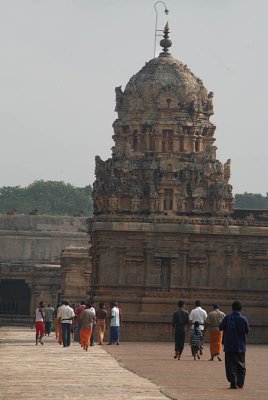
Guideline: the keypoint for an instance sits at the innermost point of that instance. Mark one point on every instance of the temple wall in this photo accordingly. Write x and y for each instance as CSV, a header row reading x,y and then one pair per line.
x,y
30,251
39,238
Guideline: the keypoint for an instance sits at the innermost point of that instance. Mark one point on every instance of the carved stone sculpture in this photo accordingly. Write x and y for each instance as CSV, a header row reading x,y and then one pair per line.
x,y
221,205
210,110
113,203
198,204
135,203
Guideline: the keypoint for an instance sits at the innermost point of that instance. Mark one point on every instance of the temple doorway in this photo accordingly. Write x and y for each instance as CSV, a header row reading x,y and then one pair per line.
x,y
15,297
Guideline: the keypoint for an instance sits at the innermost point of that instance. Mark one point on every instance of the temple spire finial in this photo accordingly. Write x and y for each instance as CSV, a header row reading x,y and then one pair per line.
x,y
166,42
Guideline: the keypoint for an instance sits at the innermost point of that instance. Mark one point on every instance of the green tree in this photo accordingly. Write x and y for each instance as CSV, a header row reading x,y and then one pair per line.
x,y
48,197
251,201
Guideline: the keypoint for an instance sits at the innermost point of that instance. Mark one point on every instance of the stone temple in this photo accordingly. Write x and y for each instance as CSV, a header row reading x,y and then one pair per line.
x,y
164,227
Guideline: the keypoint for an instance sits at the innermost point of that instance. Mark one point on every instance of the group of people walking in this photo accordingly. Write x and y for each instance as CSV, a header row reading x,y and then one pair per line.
x,y
84,322
89,325
231,330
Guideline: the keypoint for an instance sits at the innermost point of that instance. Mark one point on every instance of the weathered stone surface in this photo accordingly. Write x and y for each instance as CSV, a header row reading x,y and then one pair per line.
x,y
53,372
76,271
30,249
187,379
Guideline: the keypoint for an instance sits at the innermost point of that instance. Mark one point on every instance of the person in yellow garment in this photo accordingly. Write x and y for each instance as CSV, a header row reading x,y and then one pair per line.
x,y
101,315
86,319
212,322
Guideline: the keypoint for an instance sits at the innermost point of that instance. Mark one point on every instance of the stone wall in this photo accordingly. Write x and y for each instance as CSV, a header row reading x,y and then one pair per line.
x,y
39,238
30,251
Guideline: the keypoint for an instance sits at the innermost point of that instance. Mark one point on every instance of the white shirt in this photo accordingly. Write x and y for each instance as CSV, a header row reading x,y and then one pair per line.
x,y
38,314
115,321
198,314
92,309
65,313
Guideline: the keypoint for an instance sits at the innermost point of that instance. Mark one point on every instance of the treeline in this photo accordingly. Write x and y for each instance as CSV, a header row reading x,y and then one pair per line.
x,y
46,197
60,198
251,201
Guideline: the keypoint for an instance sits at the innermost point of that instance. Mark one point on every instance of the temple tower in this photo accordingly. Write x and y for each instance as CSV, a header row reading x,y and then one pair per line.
x,y
164,159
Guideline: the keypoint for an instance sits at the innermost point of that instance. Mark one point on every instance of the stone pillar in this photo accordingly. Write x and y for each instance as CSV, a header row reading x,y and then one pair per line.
x,y
228,253
139,142
149,259
199,144
161,201
76,270
182,143
158,144
176,144
193,144
54,296
210,253
184,254
36,293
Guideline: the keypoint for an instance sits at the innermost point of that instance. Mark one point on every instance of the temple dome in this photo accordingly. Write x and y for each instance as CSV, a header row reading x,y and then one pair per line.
x,y
162,73
164,82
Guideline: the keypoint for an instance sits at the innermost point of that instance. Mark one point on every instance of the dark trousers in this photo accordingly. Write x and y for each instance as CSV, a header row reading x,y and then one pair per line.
x,y
235,368
179,339
92,335
66,334
48,326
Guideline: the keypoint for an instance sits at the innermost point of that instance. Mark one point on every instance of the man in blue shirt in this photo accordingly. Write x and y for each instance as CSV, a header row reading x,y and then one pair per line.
x,y
235,328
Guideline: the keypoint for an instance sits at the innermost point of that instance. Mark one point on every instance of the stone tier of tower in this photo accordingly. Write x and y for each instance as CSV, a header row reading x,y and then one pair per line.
x,y
164,159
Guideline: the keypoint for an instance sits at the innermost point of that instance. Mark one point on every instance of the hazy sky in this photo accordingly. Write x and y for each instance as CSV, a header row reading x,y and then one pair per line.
x,y
61,60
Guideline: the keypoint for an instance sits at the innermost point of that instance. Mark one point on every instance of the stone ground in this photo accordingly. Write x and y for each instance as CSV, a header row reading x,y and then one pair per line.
x,y
186,379
52,372
31,372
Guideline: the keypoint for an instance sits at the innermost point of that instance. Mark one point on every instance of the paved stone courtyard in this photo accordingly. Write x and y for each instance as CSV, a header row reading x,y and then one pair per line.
x,y
52,372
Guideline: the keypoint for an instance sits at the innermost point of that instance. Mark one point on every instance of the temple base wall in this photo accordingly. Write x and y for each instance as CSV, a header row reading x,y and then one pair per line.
x,y
147,268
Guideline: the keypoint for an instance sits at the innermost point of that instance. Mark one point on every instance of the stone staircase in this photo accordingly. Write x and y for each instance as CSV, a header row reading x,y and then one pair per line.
x,y
22,320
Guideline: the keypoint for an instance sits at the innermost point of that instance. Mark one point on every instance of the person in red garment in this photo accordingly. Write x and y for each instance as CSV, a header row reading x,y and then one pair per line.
x,y
78,312
39,322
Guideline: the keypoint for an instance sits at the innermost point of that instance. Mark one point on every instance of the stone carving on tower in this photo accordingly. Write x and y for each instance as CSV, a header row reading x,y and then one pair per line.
x,y
164,158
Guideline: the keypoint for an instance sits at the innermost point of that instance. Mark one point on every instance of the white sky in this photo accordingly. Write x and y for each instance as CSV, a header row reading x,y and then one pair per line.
x,y
60,61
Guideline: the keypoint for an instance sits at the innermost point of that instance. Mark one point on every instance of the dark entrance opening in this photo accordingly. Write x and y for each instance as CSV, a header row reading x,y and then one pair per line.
x,y
15,297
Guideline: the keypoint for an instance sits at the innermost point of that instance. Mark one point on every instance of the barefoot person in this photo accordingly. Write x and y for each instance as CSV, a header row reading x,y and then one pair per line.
x,y
49,314
180,321
212,322
78,312
200,315
101,315
66,316
196,340
114,324
86,319
39,322
235,328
